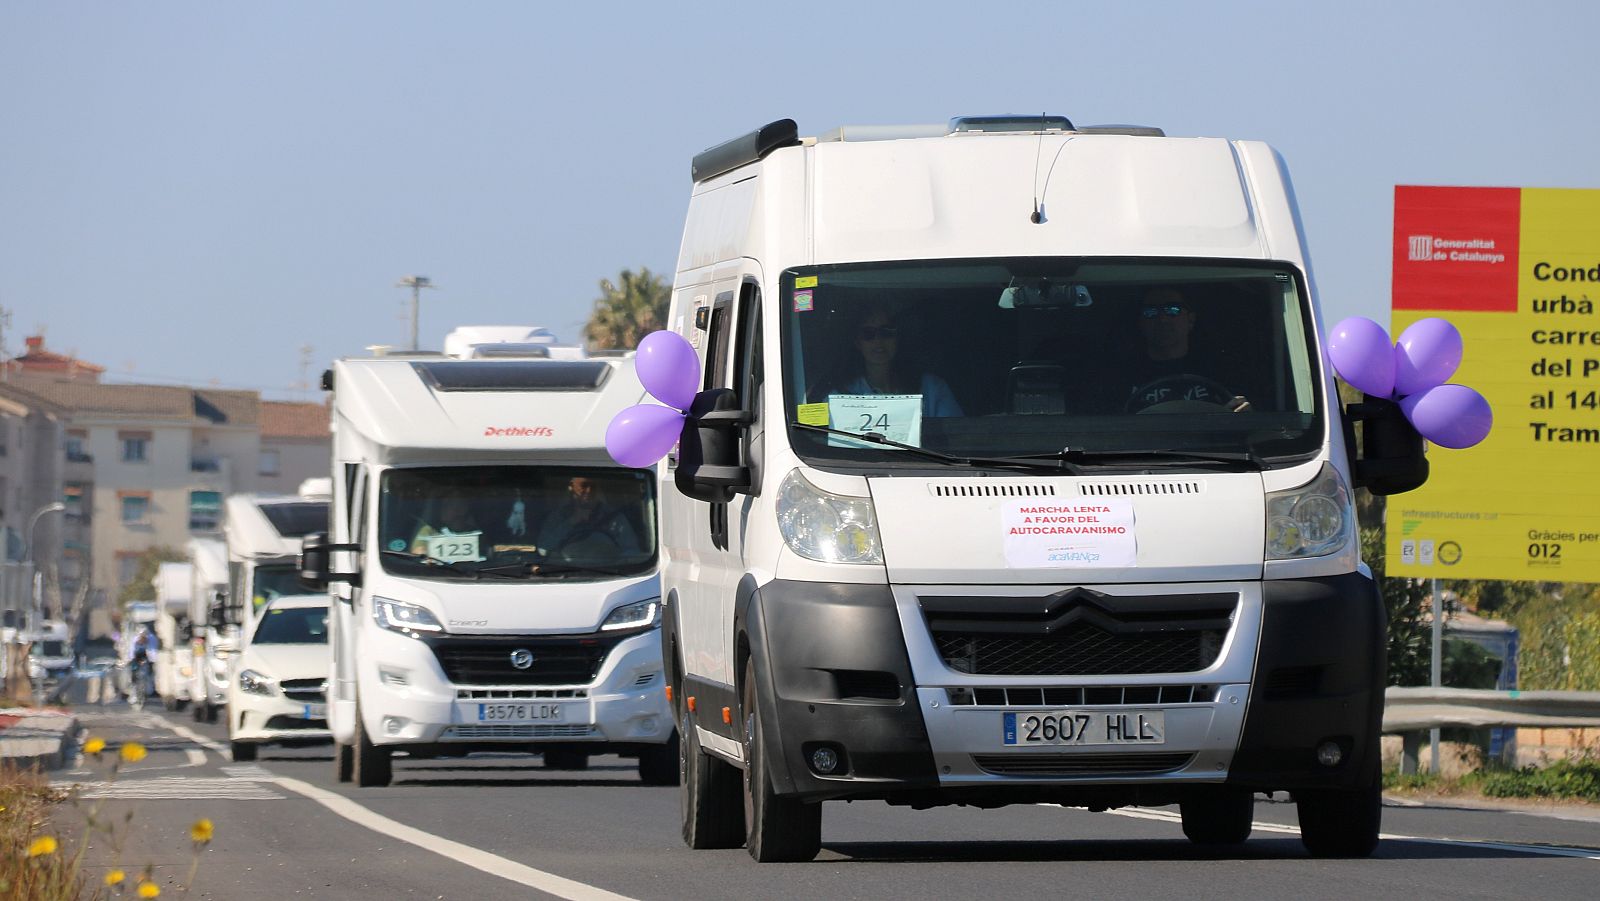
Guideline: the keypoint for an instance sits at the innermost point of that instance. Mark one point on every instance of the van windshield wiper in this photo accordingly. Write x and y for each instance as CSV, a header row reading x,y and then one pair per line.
x,y
454,566
947,459
1152,457
560,569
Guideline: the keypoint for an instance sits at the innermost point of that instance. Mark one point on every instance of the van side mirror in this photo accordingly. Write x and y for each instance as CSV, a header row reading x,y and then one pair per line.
x,y
1392,456
708,450
316,566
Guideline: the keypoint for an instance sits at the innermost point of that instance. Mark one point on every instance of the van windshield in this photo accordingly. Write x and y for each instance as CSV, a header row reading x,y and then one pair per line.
x,y
1101,361
517,522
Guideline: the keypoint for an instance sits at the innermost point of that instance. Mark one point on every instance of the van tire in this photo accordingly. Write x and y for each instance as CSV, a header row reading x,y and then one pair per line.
x,y
242,751
565,759
658,764
200,713
777,829
344,762
371,766
713,811
1218,815
213,713
1341,823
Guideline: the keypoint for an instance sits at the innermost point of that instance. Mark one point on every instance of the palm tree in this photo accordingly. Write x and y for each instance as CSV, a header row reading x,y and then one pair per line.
x,y
627,310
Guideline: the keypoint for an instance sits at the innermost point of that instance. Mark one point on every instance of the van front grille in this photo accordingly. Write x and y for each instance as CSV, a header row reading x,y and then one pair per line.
x,y
574,660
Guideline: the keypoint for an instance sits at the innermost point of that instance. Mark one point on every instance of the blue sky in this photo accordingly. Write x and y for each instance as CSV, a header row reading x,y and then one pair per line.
x,y
193,191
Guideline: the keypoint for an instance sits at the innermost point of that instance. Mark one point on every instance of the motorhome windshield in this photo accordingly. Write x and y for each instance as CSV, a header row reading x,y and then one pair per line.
x,y
293,625
273,581
1099,361
517,522
297,519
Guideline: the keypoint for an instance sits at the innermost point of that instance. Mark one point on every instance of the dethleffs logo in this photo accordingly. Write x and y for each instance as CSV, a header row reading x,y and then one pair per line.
x,y
518,431
1431,248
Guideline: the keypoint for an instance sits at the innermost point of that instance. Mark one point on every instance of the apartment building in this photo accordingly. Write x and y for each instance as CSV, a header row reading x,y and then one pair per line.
x,y
30,481
295,444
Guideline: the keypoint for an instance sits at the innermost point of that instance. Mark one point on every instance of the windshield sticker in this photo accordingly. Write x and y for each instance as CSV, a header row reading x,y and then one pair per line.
x,y
453,548
897,417
806,281
397,544
811,414
1068,534
802,301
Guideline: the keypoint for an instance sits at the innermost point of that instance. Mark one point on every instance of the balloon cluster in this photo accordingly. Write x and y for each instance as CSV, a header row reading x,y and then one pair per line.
x,y
1413,372
669,369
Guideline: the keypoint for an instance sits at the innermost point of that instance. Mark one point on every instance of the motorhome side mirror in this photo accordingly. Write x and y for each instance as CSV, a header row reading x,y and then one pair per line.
x,y
315,566
708,449
1392,458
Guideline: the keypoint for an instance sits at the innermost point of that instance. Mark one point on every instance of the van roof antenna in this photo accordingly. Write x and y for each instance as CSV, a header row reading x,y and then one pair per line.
x,y
1038,214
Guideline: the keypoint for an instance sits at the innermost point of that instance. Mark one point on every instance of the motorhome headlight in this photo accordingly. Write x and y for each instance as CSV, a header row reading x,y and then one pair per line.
x,y
1309,521
254,683
830,528
642,615
407,619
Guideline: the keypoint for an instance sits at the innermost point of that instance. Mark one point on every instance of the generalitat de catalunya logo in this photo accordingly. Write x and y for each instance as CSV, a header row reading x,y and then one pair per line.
x,y
1424,248
518,431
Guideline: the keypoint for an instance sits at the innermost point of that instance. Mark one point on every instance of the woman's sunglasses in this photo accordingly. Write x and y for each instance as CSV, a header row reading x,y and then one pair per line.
x,y
875,332
1171,311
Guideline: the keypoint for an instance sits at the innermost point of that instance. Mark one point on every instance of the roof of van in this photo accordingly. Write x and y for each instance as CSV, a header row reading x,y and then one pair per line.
x,y
271,525
210,560
512,406
172,586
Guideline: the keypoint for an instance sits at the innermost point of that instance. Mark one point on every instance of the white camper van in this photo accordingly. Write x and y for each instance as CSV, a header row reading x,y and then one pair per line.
x,y
175,660
493,571
215,638
276,692
1018,476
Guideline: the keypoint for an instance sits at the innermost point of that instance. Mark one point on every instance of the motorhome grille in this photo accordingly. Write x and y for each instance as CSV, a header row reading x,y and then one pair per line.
x,y
1080,764
1081,696
513,375
305,691
1079,632
519,694
992,490
506,730
1137,489
555,661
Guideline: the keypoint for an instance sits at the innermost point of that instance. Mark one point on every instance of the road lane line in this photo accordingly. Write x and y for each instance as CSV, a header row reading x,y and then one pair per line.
x,y
197,738
1547,850
478,859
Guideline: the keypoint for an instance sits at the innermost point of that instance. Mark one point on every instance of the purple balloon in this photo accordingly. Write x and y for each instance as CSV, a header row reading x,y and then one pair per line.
x,y
1426,355
668,368
642,434
1452,416
1362,355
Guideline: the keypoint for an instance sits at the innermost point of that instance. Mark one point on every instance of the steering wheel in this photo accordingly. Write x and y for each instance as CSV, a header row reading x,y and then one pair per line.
x,y
1181,392
582,536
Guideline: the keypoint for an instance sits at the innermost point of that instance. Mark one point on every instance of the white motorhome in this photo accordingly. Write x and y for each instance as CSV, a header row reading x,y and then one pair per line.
x,y
1019,476
276,696
216,639
494,573
175,659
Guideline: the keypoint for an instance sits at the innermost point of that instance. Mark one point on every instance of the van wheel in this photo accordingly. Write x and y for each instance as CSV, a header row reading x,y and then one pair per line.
x,y
1218,816
565,759
344,761
371,766
713,814
243,751
658,764
777,829
213,712
170,703
199,713
1341,823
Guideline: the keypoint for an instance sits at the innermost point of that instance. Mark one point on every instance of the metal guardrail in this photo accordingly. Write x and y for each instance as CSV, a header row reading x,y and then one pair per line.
x,y
1416,709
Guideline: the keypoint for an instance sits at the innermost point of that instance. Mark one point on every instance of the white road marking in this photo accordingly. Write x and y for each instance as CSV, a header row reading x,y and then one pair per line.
x,y
492,864
1164,816
178,788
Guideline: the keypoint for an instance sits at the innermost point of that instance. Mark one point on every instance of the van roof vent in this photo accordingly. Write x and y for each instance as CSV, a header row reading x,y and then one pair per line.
x,y
1139,131
1040,124
1001,490
1111,489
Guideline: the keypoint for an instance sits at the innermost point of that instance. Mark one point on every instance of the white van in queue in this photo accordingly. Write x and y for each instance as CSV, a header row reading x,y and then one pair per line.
x,y
276,693
215,639
1019,476
175,659
493,571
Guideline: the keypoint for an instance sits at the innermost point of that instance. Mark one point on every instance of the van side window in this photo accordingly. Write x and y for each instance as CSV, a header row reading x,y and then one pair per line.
x,y
747,350
717,342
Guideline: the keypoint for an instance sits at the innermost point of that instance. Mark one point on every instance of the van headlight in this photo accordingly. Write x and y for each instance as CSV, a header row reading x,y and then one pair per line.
x,y
254,683
829,528
641,615
1309,521
407,619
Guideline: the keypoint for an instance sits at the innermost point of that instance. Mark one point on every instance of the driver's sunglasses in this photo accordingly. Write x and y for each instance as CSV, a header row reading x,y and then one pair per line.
x,y
875,332
1171,311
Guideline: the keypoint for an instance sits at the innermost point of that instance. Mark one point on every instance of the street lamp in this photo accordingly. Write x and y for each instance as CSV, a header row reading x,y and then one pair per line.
x,y
416,283
27,556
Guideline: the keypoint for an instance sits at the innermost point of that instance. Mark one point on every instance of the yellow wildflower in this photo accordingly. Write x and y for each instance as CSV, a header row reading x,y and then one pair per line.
x,y
133,752
149,890
44,844
115,877
201,831
94,746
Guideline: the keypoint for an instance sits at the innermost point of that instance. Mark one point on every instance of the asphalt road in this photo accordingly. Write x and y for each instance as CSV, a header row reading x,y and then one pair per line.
x,y
492,827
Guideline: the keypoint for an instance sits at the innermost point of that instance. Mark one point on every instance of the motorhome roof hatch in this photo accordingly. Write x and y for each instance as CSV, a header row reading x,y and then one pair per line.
x,y
1040,124
509,375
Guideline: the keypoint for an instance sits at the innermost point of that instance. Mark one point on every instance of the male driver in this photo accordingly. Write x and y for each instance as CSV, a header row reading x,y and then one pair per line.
x,y
586,520
1167,371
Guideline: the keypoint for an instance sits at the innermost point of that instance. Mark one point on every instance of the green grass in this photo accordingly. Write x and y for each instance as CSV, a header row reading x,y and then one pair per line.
x,y
1566,779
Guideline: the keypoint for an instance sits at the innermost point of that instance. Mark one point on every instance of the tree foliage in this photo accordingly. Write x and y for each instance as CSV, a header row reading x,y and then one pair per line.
x,y
628,309
142,586
1405,600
